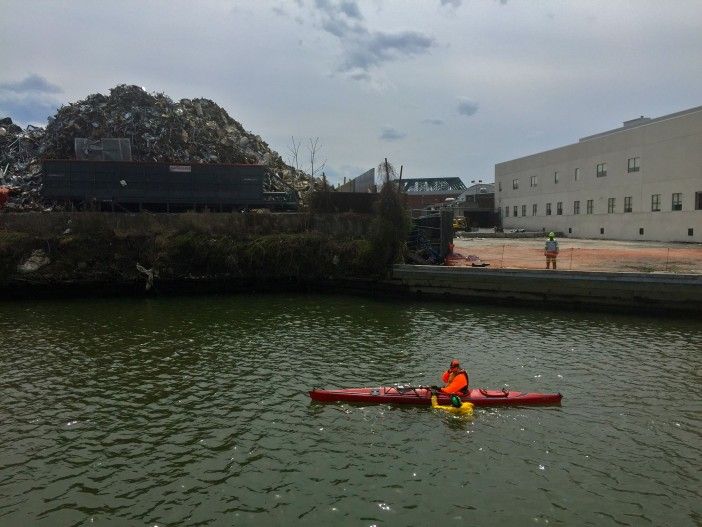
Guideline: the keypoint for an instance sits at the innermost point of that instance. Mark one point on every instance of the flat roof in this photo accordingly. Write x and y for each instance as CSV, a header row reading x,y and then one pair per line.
x,y
641,121
627,125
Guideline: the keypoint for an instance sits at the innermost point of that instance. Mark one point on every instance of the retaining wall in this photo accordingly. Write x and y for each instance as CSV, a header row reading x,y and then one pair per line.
x,y
629,291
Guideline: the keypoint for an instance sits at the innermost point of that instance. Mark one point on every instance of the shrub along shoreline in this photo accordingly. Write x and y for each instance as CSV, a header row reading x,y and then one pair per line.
x,y
84,252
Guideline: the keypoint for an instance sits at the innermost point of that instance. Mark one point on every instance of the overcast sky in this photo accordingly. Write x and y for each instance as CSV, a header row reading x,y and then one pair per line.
x,y
442,87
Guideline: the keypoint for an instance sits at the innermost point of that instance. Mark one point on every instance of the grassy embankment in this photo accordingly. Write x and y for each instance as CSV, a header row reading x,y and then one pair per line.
x,y
96,248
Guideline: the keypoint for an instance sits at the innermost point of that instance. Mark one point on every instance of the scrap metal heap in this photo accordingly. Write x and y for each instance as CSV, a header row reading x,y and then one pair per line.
x,y
159,129
20,166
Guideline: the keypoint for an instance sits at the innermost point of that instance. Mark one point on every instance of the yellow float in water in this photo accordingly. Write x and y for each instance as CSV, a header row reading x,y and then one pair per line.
x,y
462,409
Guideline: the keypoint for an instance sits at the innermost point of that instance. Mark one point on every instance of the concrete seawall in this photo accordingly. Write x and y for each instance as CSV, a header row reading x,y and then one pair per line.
x,y
638,292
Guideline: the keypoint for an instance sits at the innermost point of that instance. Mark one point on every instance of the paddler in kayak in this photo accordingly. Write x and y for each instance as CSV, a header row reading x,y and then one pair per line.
x,y
455,379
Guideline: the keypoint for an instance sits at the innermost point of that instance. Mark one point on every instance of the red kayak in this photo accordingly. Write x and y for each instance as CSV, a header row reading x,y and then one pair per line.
x,y
421,395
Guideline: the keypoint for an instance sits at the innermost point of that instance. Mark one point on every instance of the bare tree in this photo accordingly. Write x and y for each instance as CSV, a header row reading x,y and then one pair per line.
x,y
314,148
294,152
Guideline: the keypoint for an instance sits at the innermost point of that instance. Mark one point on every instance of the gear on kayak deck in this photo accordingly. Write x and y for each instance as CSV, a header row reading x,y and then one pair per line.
x,y
461,409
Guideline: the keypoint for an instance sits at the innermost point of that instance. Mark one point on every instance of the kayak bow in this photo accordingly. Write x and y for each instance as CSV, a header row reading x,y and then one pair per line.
x,y
421,395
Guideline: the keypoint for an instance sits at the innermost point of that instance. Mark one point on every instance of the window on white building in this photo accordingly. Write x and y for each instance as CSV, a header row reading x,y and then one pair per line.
x,y
633,164
576,207
534,208
506,212
610,205
601,169
576,174
559,208
499,186
555,177
655,202
516,211
590,206
533,181
677,201
627,204
698,200
548,209
523,210
515,184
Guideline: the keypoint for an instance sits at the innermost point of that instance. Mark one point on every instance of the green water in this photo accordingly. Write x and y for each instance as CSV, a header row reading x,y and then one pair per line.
x,y
193,411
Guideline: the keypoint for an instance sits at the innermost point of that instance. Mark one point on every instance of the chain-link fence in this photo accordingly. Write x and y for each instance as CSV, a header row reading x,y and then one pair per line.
x,y
605,257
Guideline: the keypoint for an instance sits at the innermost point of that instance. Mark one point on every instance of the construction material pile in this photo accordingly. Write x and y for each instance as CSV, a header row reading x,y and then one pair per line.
x,y
159,129
20,166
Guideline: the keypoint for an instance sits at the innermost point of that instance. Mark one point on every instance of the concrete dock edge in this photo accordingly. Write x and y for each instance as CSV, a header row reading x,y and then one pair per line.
x,y
640,292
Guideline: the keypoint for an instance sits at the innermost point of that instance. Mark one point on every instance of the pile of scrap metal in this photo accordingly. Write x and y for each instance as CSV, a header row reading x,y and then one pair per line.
x,y
421,250
20,168
159,129
430,238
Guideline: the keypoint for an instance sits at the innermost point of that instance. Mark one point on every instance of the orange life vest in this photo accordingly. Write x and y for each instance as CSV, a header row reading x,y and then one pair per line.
x,y
459,384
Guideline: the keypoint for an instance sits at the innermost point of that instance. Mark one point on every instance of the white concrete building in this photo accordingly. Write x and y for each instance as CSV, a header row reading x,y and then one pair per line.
x,y
639,182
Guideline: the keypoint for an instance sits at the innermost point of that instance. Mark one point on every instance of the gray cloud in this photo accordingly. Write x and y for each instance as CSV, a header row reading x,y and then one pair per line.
x,y
31,83
350,9
359,75
363,49
29,101
454,3
371,50
340,17
390,134
437,122
467,107
340,27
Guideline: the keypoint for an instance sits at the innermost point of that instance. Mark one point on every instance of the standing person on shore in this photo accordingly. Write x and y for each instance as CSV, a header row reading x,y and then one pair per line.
x,y
551,250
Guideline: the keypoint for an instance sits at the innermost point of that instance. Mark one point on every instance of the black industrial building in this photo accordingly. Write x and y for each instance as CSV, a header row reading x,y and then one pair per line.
x,y
160,187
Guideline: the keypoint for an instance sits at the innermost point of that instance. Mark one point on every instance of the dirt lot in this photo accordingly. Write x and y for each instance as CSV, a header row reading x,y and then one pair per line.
x,y
585,255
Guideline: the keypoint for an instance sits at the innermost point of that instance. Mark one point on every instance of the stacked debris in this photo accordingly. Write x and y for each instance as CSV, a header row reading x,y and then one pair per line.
x,y
20,168
159,129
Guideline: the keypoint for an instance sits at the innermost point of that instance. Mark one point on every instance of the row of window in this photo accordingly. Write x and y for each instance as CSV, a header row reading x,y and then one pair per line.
x,y
676,204
690,231
633,165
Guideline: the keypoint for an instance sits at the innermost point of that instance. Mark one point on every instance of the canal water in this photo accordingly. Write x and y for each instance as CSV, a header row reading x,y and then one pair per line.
x,y
194,411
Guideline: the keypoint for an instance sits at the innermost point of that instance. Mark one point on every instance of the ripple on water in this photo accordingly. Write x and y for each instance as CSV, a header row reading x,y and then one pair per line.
x,y
194,411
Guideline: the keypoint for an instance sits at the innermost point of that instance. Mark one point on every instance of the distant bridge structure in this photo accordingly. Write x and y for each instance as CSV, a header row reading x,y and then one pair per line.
x,y
439,185
421,192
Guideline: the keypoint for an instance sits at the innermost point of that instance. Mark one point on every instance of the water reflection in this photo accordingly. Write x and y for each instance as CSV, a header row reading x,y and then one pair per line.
x,y
194,410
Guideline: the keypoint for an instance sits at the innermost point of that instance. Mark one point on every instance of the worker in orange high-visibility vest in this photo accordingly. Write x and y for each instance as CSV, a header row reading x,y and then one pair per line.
x,y
551,250
455,379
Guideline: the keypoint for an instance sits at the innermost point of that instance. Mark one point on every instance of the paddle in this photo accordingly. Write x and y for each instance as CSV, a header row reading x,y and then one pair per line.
x,y
433,389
